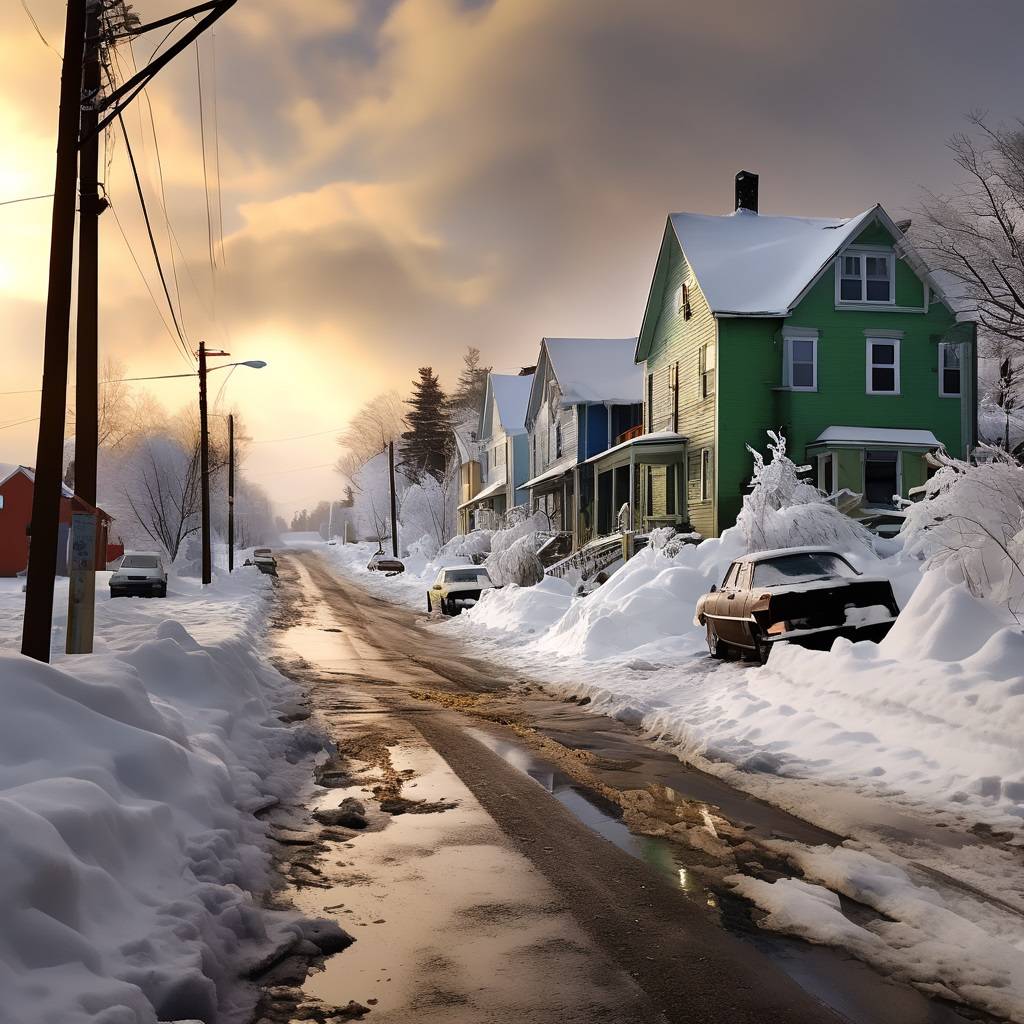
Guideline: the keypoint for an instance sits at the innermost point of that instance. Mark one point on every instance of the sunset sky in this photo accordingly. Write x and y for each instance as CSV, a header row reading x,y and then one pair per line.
x,y
403,179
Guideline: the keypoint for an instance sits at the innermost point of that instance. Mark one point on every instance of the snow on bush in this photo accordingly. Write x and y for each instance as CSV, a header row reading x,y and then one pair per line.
x,y
971,525
513,557
782,510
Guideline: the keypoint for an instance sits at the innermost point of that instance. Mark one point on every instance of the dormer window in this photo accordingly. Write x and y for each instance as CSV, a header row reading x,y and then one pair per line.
x,y
865,275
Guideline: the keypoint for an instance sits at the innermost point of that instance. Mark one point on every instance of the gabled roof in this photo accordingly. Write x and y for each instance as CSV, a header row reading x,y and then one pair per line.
x,y
9,469
751,264
748,264
595,370
588,371
511,393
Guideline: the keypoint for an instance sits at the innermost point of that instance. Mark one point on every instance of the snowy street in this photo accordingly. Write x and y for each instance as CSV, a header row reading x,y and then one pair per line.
x,y
683,843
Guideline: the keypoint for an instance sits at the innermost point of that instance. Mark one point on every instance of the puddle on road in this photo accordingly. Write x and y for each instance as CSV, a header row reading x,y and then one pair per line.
x,y
442,942
846,985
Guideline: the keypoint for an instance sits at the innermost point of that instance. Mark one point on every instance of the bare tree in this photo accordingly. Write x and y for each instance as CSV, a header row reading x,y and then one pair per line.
x,y
379,422
162,491
976,235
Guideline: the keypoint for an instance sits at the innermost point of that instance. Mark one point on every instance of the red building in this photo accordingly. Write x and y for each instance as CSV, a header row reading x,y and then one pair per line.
x,y
16,487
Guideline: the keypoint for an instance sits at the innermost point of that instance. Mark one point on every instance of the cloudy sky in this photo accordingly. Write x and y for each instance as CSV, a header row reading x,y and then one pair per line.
x,y
402,179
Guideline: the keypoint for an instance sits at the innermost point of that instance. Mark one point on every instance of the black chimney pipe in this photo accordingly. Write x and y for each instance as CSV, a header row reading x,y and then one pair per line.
x,y
746,191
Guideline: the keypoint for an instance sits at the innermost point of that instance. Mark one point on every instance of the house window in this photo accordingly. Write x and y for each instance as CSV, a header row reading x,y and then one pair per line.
x,y
949,370
706,471
883,366
865,275
881,477
800,369
827,473
706,363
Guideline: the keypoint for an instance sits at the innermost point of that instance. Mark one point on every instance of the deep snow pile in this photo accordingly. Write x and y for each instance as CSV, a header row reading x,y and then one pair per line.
x,y
128,783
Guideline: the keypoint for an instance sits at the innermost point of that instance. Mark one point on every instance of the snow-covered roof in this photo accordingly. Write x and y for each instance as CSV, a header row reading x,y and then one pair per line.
x,y
553,473
593,370
488,492
512,393
644,440
878,435
8,469
749,264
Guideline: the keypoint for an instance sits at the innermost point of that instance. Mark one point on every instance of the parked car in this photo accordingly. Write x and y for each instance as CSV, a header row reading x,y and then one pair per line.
x,y
807,596
385,563
264,560
458,587
139,574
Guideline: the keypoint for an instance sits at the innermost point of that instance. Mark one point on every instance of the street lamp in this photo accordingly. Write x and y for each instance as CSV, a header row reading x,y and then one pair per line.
x,y
204,448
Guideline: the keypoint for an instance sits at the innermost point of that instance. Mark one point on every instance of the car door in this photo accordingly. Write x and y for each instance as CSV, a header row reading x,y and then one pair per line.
x,y
720,606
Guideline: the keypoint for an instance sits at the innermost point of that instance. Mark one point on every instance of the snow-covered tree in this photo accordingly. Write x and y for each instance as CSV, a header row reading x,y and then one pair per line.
x,y
782,510
471,386
428,443
971,523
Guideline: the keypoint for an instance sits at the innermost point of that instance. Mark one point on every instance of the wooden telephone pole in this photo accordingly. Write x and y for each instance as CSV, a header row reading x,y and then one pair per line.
x,y
46,493
82,117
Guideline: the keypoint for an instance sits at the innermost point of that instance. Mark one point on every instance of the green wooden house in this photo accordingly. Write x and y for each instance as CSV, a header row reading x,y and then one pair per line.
x,y
830,330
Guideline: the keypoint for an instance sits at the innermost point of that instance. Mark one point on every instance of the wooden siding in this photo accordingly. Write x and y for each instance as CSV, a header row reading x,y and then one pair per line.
x,y
677,341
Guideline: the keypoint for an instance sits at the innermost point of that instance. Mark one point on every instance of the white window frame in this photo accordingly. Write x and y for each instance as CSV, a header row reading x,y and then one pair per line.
x,y
787,362
864,251
705,464
870,364
822,460
943,346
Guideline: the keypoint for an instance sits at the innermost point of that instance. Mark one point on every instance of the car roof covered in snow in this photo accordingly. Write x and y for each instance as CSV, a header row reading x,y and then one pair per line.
x,y
763,556
594,370
751,264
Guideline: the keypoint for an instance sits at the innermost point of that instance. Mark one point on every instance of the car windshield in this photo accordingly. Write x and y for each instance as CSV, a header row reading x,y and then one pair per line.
x,y
466,576
800,568
140,562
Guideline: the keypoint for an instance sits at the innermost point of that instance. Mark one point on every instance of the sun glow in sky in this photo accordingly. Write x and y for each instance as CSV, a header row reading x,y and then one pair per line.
x,y
403,178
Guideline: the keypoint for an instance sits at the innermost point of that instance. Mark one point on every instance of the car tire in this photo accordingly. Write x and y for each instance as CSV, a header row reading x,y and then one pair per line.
x,y
716,648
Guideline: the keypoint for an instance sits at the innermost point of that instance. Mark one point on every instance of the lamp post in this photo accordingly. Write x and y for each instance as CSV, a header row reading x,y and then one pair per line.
x,y
204,447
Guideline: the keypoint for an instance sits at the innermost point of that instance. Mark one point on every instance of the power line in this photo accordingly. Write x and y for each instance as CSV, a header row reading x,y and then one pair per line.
x,y
39,31
152,241
26,199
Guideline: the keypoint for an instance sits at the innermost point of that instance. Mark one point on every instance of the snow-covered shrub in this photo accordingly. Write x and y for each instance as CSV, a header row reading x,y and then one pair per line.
x,y
782,510
971,523
513,557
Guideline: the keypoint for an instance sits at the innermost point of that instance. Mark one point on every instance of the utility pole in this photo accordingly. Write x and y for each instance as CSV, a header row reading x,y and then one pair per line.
x,y
394,503
46,493
231,493
82,587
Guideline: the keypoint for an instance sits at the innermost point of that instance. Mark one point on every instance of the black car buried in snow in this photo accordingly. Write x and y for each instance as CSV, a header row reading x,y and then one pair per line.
x,y
807,596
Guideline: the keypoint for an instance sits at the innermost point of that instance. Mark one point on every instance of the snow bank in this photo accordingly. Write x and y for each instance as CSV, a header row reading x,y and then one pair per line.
x,y
949,945
128,784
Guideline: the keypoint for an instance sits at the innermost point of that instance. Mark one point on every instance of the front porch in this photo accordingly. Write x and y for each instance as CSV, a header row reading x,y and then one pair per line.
x,y
638,485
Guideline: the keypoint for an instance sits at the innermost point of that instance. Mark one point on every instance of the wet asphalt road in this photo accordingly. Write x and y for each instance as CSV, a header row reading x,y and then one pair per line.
x,y
669,962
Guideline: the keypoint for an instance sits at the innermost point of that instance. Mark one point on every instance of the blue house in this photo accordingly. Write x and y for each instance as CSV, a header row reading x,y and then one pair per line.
x,y
586,396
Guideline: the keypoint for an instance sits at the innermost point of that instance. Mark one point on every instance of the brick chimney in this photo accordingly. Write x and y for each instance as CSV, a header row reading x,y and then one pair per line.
x,y
746,191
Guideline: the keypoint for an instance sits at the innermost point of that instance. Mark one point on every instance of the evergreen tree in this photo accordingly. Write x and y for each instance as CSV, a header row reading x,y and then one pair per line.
x,y
428,443
471,386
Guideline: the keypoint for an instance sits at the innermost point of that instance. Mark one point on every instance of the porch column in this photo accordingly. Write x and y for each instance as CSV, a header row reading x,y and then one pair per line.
x,y
632,489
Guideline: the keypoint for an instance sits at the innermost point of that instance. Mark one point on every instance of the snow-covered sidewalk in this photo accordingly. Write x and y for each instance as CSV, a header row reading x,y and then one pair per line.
x,y
128,782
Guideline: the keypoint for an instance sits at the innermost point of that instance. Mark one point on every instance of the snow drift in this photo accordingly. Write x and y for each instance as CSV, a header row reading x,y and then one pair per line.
x,y
127,788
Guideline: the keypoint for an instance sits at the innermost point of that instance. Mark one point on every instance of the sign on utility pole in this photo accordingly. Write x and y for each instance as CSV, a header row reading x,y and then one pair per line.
x,y
82,591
